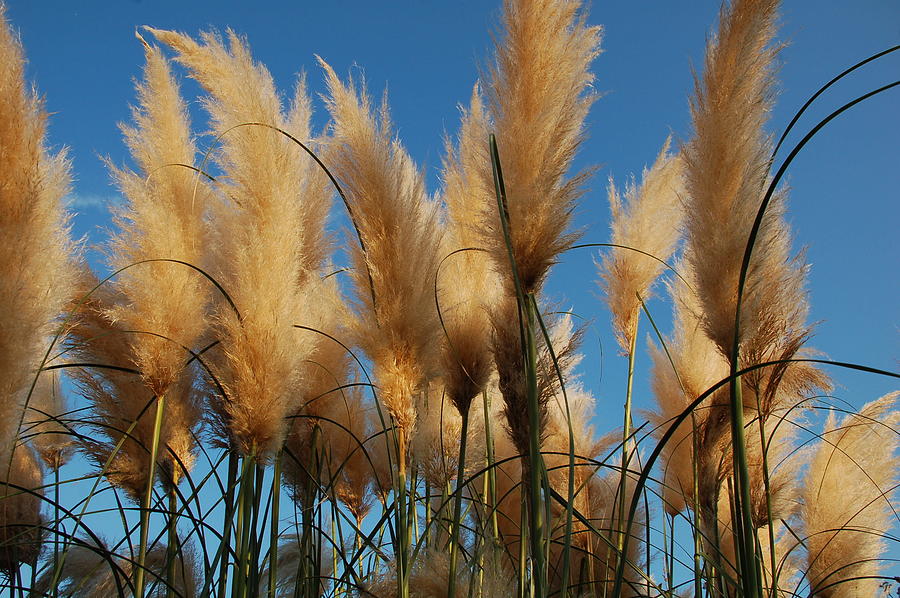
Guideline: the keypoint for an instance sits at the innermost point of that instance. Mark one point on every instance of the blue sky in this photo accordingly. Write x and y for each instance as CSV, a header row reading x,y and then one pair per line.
x,y
83,57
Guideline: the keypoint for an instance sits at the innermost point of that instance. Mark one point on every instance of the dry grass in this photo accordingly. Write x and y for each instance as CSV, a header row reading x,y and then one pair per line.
x,y
263,252
847,500
36,255
357,388
397,257
649,222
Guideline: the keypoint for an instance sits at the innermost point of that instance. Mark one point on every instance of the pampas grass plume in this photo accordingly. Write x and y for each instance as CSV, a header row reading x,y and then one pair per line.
x,y
163,303
726,178
648,220
727,172
261,232
537,99
36,254
468,285
847,500
395,265
20,511
163,218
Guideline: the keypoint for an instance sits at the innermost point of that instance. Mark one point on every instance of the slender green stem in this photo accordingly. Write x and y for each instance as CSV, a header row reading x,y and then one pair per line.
x,y
414,528
245,526
337,534
491,478
698,548
273,532
669,555
411,516
172,544
302,585
523,550
483,540
738,525
764,450
457,505
535,462
139,576
402,522
359,543
56,464
239,535
743,508
626,443
256,538
223,552
490,538
318,587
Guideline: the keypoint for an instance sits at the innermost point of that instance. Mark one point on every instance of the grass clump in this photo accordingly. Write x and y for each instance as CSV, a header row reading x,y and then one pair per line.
x,y
261,421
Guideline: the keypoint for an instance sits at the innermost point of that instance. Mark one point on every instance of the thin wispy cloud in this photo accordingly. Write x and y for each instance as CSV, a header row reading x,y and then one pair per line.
x,y
91,201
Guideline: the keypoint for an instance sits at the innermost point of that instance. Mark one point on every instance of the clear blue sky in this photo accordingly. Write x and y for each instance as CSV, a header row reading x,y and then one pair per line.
x,y
844,200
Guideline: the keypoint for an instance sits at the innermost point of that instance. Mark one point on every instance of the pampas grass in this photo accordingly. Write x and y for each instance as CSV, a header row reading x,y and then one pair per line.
x,y
36,255
396,316
37,277
756,312
162,304
855,467
537,95
398,411
645,229
21,536
467,285
261,257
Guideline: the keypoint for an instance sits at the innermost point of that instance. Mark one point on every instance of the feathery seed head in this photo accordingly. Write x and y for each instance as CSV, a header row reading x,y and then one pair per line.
x,y
649,220
51,438
269,229
855,461
726,170
467,284
159,313
20,510
397,257
36,255
537,100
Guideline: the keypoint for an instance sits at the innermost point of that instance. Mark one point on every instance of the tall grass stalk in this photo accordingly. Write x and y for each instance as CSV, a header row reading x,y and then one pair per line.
x,y
457,504
491,481
748,555
533,462
274,531
627,444
172,544
140,571
223,554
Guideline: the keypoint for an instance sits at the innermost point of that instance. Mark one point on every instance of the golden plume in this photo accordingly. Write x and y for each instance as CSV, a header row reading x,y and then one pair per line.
x,y
268,230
